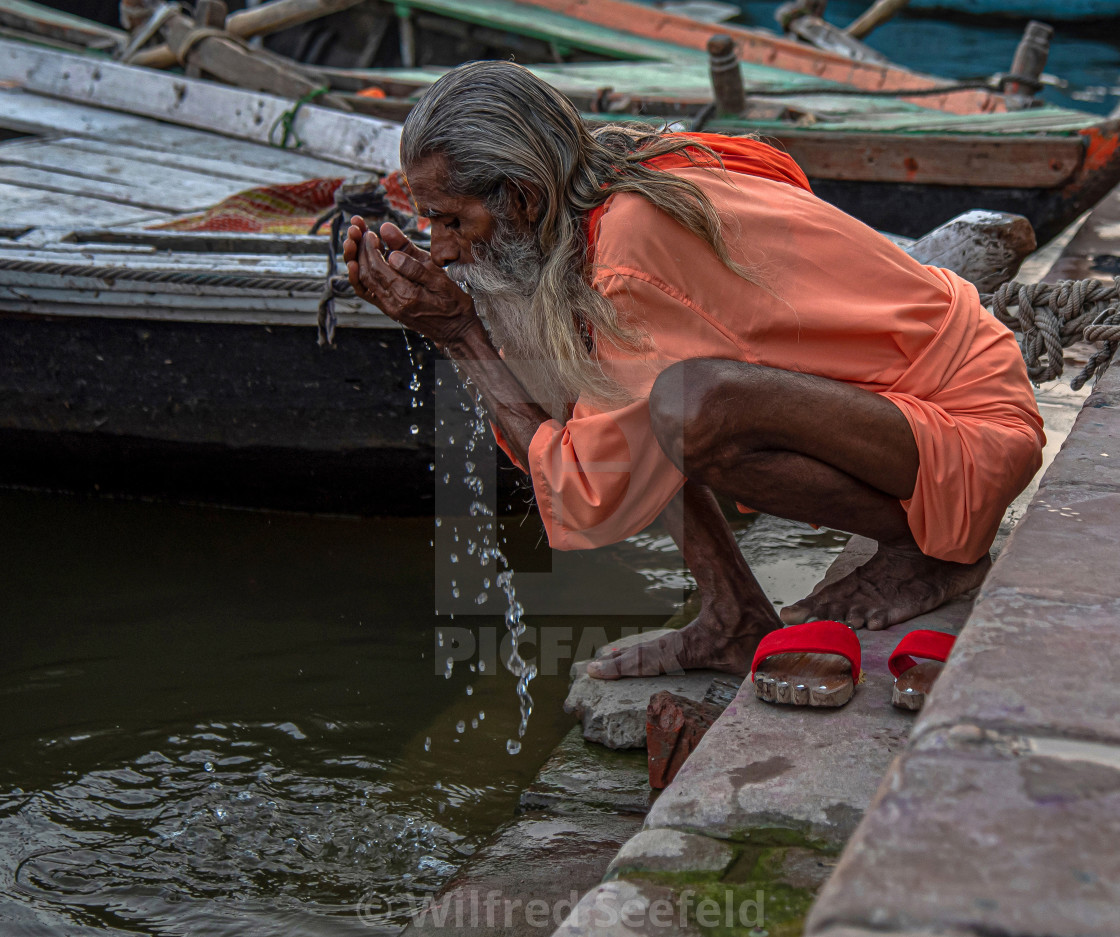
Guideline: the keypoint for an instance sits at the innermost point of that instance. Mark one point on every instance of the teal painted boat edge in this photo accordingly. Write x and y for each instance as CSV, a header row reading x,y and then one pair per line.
x,y
1060,10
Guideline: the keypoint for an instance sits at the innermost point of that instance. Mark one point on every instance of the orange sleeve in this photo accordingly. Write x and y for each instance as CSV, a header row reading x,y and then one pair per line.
x,y
503,444
601,477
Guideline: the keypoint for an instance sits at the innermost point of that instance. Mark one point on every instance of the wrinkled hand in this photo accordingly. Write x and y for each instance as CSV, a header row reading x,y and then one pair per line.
x,y
405,284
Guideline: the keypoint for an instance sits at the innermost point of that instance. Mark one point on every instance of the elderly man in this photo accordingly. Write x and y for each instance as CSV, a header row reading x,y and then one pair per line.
x,y
668,316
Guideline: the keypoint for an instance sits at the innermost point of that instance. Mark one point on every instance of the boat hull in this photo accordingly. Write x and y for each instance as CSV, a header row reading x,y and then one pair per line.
x,y
247,415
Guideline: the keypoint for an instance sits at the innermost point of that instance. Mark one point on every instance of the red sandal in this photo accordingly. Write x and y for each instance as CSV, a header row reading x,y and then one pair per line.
x,y
815,664
913,680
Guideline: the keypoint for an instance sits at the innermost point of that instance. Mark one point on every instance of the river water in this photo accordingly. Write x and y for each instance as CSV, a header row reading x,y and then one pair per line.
x,y
215,720
1085,56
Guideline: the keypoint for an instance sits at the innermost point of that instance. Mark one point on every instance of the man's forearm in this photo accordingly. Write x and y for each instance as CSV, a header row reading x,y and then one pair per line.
x,y
502,394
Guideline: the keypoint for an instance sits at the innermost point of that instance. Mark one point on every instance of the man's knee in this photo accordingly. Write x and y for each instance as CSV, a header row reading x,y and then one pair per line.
x,y
683,408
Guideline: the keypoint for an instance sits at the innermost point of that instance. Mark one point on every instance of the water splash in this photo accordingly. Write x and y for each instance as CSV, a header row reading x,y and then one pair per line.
x,y
482,543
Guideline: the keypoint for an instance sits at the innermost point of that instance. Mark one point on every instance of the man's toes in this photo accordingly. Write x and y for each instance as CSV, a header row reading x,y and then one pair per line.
x,y
878,620
796,614
605,668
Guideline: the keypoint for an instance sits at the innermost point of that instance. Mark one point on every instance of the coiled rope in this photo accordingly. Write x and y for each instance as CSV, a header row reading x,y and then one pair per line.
x,y
1052,316
368,200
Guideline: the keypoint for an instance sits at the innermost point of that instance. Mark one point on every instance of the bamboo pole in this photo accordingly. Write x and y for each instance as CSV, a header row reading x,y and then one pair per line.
x,y
874,16
258,21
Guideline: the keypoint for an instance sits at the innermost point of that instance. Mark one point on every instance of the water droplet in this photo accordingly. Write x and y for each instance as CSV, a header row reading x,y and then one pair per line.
x,y
455,593
414,384
481,715
481,598
454,557
428,744
439,521
470,690
460,727
513,746
208,766
474,723
481,666
414,429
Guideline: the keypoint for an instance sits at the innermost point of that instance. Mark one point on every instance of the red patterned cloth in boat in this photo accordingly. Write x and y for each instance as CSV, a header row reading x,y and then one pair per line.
x,y
285,209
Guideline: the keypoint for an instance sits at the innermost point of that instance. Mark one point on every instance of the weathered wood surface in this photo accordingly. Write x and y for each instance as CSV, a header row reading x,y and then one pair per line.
x,y
238,66
757,46
257,21
113,176
824,35
37,207
44,21
1020,162
359,141
873,17
218,242
984,247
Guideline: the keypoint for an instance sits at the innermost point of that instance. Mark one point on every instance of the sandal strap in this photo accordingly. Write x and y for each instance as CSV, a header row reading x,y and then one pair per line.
x,y
814,637
920,645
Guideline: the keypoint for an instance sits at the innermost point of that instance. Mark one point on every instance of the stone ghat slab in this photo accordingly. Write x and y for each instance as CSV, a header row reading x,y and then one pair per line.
x,y
982,833
579,774
613,712
528,878
1003,814
767,770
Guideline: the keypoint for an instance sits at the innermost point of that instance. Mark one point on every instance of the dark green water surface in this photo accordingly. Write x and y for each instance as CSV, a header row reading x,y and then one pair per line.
x,y
222,722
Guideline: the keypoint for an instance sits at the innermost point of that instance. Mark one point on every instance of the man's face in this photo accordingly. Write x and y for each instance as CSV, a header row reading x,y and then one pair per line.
x,y
488,252
458,222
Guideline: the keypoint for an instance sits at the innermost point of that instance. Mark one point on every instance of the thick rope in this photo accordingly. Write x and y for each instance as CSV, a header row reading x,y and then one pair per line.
x,y
1052,316
241,281
370,202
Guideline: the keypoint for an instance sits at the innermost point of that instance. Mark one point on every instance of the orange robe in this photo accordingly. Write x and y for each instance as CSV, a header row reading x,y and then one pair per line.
x,y
846,304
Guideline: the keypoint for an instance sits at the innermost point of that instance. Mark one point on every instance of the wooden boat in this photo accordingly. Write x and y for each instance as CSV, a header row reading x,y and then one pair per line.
x,y
901,162
1049,10
159,363
208,385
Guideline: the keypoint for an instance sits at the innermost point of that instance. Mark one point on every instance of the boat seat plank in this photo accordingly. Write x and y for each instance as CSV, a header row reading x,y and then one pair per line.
x,y
143,193
548,26
58,167
34,206
264,265
38,114
124,151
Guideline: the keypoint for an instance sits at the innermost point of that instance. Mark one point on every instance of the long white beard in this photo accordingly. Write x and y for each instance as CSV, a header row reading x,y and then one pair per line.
x,y
502,281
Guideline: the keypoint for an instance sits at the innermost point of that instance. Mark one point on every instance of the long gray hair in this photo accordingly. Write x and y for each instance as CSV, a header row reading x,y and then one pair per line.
x,y
502,130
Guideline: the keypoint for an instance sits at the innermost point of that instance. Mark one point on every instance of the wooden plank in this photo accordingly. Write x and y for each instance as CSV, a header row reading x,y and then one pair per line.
x,y
350,139
243,68
758,46
152,197
245,176
60,168
34,113
554,26
1026,162
256,21
55,24
37,207
162,307
302,266
203,241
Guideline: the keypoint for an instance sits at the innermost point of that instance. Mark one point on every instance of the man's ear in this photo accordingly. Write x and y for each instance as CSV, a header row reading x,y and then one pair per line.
x,y
528,201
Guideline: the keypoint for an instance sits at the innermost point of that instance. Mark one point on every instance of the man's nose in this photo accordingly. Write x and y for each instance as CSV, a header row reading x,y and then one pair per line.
x,y
445,249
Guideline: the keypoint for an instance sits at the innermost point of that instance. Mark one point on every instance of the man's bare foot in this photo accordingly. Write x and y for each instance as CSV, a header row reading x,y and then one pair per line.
x,y
892,586
696,646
